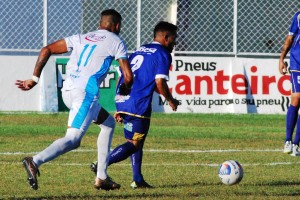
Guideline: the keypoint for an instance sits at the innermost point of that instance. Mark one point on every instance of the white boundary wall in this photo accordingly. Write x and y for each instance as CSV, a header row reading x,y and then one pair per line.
x,y
43,97
229,85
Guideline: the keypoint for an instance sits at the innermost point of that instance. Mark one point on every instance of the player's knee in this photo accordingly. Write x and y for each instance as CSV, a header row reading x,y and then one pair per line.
x,y
73,137
137,144
109,122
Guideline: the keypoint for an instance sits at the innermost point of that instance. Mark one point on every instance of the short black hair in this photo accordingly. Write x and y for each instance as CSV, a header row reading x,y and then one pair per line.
x,y
116,17
163,26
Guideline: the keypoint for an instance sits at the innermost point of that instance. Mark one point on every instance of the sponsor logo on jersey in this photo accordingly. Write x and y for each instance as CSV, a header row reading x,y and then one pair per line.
x,y
120,98
94,37
147,50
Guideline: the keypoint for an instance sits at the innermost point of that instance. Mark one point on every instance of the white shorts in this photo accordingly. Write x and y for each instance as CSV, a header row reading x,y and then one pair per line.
x,y
84,108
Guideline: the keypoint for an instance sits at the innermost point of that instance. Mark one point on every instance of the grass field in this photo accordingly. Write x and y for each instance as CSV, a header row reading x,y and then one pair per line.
x,y
181,158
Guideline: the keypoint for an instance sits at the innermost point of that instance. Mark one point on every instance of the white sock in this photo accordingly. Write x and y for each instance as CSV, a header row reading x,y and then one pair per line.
x,y
103,144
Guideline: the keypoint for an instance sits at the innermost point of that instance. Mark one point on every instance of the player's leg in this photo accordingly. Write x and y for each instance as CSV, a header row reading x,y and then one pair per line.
x,y
78,123
136,163
107,124
135,131
126,149
137,160
292,117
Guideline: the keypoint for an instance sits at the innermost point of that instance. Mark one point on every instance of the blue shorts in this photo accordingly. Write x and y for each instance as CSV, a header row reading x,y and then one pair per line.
x,y
135,128
295,80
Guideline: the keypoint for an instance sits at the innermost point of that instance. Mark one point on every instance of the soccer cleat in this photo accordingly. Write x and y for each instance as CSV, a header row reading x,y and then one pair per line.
x,y
94,166
287,147
295,151
107,184
32,170
142,184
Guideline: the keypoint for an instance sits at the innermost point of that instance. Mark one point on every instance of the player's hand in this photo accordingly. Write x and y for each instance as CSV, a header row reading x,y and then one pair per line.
x,y
283,67
25,85
123,90
174,104
118,118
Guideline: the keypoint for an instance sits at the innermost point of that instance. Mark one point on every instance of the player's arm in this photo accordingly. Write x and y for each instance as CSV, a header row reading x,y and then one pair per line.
x,y
128,76
57,47
285,49
163,89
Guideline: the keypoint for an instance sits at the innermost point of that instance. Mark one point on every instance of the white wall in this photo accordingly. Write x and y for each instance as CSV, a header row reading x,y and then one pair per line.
x,y
12,98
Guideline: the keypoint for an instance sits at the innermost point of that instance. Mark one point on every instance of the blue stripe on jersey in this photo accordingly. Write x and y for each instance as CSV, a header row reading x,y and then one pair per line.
x,y
92,84
83,111
105,66
91,90
90,53
81,55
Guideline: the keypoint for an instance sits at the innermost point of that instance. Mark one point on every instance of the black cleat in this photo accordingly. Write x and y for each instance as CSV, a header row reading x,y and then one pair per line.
x,y
94,166
142,184
32,170
106,184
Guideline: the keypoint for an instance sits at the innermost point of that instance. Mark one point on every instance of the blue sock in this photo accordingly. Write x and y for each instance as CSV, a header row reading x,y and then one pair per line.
x,y
136,163
291,120
297,136
121,152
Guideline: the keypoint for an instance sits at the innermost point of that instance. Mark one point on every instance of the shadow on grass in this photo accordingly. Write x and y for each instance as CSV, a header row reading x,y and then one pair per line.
x,y
105,196
189,184
278,183
140,194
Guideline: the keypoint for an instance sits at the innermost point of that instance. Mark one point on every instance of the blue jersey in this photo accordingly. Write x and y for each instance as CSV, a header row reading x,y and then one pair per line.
x,y
295,49
149,62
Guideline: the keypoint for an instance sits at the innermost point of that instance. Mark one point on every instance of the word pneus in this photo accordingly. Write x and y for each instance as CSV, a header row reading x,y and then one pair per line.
x,y
195,66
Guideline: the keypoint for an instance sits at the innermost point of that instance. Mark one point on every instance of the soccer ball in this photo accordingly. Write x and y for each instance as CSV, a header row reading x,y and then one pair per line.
x,y
230,172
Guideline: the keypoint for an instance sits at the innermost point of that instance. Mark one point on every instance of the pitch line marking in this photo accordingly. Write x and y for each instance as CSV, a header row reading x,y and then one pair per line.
x,y
164,151
162,164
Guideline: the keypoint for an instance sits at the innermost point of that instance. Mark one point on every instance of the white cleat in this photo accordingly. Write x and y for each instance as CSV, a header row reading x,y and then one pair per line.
x,y
287,147
295,150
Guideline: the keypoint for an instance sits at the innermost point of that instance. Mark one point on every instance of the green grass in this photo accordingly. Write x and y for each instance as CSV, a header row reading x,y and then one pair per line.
x,y
180,174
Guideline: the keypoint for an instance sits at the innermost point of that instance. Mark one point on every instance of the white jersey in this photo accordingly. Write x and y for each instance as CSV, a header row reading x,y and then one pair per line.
x,y
91,57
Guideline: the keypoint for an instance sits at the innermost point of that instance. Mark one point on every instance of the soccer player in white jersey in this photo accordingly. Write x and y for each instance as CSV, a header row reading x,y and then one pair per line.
x,y
150,65
292,44
89,63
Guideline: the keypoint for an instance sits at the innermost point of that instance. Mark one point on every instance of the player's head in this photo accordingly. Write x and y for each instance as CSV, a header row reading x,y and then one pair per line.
x,y
111,21
166,33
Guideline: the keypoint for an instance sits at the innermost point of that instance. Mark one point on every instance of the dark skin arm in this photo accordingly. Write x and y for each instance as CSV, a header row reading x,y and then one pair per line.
x,y
163,89
128,80
57,47
285,49
127,73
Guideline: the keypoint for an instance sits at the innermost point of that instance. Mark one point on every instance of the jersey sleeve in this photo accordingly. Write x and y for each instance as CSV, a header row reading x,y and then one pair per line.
x,y
295,24
164,63
121,50
70,41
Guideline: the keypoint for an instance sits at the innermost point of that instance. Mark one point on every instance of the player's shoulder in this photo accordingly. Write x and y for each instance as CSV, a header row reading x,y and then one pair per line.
x,y
101,35
297,15
155,48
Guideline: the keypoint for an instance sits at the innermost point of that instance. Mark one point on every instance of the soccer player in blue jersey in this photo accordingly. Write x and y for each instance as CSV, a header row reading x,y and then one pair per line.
x,y
92,54
292,44
150,65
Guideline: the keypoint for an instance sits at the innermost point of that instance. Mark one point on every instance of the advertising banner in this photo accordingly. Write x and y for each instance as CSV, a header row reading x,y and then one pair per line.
x,y
107,88
226,85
